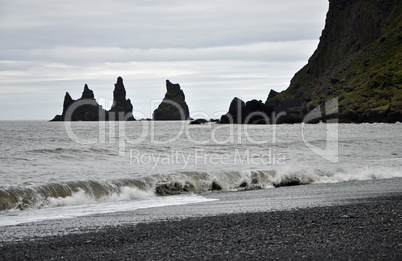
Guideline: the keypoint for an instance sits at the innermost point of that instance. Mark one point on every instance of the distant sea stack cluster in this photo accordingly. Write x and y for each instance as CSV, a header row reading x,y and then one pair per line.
x,y
87,109
358,61
173,106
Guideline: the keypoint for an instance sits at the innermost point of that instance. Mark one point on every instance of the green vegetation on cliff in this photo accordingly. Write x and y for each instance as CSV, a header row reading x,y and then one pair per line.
x,y
358,60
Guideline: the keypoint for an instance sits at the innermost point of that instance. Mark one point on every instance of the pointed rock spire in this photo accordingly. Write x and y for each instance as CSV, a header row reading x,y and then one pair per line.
x,y
87,93
120,104
67,102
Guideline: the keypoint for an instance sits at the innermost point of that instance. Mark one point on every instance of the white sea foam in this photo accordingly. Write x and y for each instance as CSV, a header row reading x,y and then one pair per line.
x,y
76,193
125,198
81,205
82,198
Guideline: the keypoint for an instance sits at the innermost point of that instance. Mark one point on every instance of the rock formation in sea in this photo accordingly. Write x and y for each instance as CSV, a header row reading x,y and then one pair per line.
x,y
87,109
355,73
198,121
84,109
236,113
251,112
121,105
173,106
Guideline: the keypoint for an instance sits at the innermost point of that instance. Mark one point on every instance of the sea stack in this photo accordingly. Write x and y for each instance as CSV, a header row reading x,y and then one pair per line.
x,y
173,106
87,109
251,112
236,113
84,109
122,107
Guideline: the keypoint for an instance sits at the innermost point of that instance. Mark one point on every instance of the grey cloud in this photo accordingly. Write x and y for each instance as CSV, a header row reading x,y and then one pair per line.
x,y
263,51
209,85
157,24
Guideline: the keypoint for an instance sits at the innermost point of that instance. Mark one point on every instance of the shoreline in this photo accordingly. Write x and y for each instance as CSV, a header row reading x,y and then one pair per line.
x,y
365,229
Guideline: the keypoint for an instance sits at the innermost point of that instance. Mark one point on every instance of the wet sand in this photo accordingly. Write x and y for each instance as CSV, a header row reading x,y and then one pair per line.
x,y
366,229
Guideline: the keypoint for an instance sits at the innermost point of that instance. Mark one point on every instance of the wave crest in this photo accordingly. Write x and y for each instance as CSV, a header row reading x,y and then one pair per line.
x,y
57,194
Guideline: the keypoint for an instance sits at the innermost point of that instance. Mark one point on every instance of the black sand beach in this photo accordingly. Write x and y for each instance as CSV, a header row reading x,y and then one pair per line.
x,y
368,229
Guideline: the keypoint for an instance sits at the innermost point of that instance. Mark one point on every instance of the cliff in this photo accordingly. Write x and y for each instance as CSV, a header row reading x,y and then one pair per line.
x,y
87,109
173,106
358,62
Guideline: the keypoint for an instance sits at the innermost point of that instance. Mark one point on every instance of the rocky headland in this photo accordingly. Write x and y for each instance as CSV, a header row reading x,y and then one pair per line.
x,y
173,106
355,74
87,109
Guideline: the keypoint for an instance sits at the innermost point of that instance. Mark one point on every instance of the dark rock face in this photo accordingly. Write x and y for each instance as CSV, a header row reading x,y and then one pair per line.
x,y
349,116
87,93
198,121
257,112
119,93
251,112
272,94
237,112
173,106
87,109
84,109
357,61
393,117
120,103
67,102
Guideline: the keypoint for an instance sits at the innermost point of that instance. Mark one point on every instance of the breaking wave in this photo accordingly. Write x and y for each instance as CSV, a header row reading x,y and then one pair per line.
x,y
73,193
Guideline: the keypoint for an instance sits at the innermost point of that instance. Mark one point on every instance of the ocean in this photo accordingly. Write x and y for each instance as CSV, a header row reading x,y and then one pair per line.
x,y
52,171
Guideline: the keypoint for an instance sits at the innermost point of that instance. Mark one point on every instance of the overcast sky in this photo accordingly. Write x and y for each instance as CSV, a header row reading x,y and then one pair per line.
x,y
215,50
